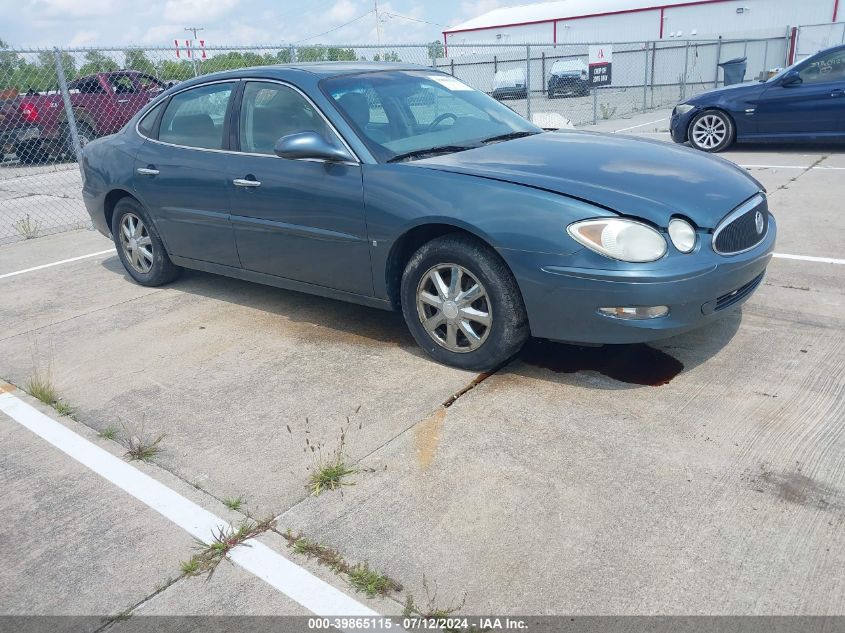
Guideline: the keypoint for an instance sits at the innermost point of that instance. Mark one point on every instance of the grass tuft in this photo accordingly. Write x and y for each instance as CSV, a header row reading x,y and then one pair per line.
x,y
330,473
63,408
360,576
27,227
234,503
222,542
108,433
431,610
41,387
139,445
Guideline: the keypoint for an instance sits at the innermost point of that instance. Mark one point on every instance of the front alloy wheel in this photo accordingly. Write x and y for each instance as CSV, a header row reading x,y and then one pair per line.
x,y
462,303
711,131
453,308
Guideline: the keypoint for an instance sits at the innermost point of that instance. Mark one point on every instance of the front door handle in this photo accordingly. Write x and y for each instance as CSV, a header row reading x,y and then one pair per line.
x,y
123,100
837,93
243,182
146,171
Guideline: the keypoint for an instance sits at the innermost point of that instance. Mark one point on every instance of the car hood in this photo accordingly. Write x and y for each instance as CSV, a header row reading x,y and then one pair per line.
x,y
735,90
649,179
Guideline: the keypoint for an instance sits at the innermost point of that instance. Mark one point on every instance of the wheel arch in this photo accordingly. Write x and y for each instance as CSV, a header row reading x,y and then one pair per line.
x,y
714,108
411,240
110,202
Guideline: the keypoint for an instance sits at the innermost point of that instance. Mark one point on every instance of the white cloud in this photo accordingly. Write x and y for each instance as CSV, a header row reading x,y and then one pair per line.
x,y
74,8
192,10
474,8
84,38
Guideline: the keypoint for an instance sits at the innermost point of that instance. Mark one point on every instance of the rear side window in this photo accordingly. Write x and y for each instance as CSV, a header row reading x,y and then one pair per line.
x,y
146,126
196,117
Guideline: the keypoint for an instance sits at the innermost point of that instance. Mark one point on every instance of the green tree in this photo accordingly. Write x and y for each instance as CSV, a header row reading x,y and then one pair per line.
x,y
136,59
436,50
97,62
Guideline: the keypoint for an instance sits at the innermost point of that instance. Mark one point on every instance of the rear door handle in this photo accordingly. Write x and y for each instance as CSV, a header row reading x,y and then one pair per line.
x,y
243,182
837,93
146,171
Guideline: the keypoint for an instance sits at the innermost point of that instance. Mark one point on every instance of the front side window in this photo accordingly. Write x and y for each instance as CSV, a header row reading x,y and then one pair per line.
x,y
400,112
830,67
270,111
196,117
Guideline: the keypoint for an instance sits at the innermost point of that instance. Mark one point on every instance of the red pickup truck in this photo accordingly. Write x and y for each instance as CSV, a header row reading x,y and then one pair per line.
x,y
34,126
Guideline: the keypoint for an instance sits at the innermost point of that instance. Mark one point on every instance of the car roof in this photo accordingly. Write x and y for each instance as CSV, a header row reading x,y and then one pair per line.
x,y
327,69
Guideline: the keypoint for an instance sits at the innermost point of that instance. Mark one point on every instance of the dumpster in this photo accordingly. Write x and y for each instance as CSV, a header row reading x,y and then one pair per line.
x,y
734,70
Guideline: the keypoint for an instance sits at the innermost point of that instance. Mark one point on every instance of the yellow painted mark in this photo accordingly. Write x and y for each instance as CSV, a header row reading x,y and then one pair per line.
x,y
5,388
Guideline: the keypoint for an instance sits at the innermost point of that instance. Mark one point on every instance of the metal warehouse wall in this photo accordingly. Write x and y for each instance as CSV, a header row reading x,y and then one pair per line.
x,y
759,18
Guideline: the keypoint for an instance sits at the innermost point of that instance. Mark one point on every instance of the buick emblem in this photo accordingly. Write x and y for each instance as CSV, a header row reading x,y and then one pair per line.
x,y
758,222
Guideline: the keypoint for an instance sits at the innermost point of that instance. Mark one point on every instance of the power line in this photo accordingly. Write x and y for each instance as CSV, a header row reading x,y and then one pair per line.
x,y
406,17
311,37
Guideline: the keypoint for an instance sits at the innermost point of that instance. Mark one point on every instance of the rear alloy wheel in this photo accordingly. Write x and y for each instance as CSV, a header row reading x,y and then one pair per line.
x,y
711,131
462,304
139,246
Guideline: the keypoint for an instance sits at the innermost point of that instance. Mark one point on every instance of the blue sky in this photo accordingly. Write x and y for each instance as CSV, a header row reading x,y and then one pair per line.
x,y
158,22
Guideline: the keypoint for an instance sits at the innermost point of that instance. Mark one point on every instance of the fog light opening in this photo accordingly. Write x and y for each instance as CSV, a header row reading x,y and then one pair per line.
x,y
635,313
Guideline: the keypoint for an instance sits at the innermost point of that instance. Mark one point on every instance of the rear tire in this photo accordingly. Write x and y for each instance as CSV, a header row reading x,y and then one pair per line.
x,y
139,245
469,301
31,153
711,131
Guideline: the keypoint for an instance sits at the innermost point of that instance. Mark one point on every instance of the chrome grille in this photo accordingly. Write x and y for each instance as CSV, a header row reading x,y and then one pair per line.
x,y
743,228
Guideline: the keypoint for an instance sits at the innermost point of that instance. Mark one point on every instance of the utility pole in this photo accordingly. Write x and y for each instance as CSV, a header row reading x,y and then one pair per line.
x,y
194,30
378,29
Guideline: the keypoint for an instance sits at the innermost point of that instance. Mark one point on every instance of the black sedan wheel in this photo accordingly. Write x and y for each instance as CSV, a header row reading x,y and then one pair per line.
x,y
711,131
139,246
462,304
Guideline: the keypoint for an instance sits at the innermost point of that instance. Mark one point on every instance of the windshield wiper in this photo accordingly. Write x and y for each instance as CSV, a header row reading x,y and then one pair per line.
x,y
429,151
507,137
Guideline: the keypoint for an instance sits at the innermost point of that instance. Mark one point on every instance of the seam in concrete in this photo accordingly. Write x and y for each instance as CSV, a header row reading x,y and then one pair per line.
x,y
804,171
110,621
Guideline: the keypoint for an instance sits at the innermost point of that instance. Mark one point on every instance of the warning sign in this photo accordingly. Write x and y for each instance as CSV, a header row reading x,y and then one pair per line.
x,y
601,58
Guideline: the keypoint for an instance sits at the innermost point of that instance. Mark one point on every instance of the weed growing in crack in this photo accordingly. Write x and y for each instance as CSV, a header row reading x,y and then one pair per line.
x,y
63,408
431,610
329,472
139,445
234,503
108,433
223,541
27,227
361,576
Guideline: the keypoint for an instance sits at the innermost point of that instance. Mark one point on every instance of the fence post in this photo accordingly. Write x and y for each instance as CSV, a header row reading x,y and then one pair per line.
x,y
595,92
686,69
71,118
495,65
452,64
645,75
653,60
528,81
542,69
718,59
292,54
766,58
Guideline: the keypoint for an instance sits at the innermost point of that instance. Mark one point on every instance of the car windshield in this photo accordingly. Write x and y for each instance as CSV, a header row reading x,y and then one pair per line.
x,y
408,113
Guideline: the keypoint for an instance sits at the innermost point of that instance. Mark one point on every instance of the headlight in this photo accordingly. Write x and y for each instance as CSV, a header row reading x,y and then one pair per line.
x,y
682,234
618,238
682,108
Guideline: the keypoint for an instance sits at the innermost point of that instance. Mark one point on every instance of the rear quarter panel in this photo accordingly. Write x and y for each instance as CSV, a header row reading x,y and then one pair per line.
x,y
107,164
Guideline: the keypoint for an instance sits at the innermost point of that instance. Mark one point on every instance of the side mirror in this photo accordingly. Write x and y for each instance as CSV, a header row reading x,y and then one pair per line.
x,y
309,145
792,78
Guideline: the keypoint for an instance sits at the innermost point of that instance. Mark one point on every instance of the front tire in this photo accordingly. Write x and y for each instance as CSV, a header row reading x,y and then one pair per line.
x,y
711,131
462,304
139,246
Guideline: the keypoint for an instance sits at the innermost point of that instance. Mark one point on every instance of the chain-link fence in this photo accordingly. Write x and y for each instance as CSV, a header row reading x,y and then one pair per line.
x,y
54,101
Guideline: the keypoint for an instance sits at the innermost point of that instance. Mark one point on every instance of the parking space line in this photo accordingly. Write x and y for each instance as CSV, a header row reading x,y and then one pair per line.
x,y
51,264
809,258
295,582
634,127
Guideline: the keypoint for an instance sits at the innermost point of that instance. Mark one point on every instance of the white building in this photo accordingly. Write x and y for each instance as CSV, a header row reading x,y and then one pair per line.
x,y
579,21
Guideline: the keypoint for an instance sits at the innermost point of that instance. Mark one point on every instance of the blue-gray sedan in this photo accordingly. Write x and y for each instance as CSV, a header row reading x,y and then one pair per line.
x,y
402,188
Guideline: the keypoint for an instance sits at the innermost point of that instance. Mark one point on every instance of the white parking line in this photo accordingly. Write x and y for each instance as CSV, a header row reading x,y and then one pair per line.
x,y
634,127
51,264
808,258
282,574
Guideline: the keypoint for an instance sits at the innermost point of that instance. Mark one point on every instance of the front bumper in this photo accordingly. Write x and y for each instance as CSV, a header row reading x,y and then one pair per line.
x,y
568,85
562,298
679,125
